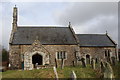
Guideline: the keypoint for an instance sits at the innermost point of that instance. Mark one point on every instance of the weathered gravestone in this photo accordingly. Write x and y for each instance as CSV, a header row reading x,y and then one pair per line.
x,y
73,76
56,74
108,71
56,65
113,61
102,66
96,60
62,63
93,63
83,62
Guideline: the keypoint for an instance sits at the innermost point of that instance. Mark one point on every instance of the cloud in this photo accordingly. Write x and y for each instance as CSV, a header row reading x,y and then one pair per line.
x,y
1,24
88,17
82,12
29,13
91,17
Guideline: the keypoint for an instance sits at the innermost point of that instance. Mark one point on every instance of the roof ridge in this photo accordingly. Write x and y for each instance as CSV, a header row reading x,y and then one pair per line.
x,y
90,34
41,27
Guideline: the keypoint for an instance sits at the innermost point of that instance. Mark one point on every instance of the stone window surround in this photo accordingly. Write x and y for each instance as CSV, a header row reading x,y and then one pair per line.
x,y
108,53
65,55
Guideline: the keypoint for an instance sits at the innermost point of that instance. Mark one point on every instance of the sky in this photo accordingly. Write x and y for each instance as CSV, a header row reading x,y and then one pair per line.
x,y
85,17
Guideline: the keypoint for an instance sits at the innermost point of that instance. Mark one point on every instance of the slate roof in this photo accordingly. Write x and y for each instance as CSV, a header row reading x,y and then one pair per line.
x,y
46,35
95,40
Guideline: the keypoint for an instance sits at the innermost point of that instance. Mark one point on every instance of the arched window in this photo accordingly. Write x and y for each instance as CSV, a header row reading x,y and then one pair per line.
x,y
109,53
88,59
105,53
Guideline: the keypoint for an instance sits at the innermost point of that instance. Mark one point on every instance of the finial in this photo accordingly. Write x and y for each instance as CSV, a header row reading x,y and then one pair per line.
x,y
69,24
106,32
15,5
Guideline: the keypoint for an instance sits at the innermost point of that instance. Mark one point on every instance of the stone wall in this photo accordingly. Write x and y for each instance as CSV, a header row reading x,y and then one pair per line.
x,y
15,56
70,50
97,52
17,50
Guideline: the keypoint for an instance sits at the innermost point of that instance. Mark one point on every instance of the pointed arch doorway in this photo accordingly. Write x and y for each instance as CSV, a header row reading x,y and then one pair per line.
x,y
37,59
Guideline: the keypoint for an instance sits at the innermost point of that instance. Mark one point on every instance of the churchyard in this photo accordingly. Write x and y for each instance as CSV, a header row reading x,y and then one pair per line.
x,y
99,70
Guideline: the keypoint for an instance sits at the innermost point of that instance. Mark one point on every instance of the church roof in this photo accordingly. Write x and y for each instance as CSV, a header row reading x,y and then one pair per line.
x,y
95,40
59,36
46,35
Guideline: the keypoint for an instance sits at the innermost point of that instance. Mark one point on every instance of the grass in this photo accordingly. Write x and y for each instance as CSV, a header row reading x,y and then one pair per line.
x,y
116,70
87,72
41,73
49,73
80,72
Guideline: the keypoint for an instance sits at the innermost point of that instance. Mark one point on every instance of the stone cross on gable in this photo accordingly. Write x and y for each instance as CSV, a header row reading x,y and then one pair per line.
x,y
36,42
36,37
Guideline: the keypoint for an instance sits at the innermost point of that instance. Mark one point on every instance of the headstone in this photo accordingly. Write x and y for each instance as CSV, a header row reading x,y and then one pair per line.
x,y
113,61
56,65
96,60
108,72
56,74
9,66
73,76
83,62
62,63
102,66
109,59
93,63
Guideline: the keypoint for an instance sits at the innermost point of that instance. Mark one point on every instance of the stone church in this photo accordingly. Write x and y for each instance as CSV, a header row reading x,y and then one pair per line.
x,y
48,45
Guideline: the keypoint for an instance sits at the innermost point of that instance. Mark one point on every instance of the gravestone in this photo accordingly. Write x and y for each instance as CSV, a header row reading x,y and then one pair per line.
x,y
83,62
113,61
93,63
56,74
9,66
62,63
102,67
73,76
108,71
56,65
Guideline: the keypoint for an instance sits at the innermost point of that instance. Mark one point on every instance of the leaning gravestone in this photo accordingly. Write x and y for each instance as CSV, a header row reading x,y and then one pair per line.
x,y
108,72
83,62
73,76
102,66
56,74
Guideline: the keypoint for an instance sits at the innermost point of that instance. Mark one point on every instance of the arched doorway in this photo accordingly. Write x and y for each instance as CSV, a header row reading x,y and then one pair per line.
x,y
37,59
88,59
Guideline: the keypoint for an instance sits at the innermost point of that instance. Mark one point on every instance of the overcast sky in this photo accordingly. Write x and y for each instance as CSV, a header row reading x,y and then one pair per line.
x,y
85,17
